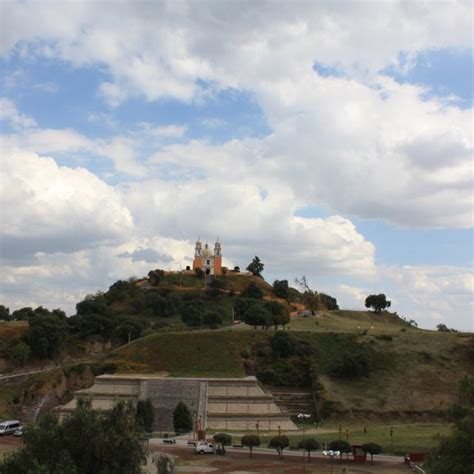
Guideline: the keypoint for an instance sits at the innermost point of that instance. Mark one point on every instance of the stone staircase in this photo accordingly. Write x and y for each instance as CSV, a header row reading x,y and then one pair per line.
x,y
106,392
220,404
241,404
166,393
293,400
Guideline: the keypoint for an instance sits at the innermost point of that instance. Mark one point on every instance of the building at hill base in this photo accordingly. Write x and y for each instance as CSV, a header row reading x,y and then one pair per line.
x,y
216,403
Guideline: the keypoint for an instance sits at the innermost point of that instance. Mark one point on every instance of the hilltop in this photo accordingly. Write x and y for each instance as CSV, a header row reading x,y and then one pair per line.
x,y
356,363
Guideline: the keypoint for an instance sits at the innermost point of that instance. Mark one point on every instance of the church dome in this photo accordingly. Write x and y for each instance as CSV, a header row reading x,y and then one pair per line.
x,y
207,251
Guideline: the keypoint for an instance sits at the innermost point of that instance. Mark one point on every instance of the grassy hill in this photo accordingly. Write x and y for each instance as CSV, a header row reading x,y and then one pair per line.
x,y
361,363
353,321
411,373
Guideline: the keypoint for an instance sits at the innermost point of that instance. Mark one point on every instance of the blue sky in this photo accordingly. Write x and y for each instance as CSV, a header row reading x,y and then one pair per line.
x,y
345,158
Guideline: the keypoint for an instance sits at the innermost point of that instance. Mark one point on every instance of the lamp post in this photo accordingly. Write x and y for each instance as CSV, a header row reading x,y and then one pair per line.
x,y
331,454
303,417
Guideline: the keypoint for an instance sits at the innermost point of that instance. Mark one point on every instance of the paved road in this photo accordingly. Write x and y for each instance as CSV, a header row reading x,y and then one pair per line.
x,y
183,444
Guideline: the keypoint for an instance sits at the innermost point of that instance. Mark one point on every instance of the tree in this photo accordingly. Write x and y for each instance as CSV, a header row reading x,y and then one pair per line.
x,y
129,329
23,314
341,446
250,441
4,313
377,302
280,288
455,453
279,443
119,291
252,291
93,324
309,444
371,448
192,313
46,335
328,301
213,319
20,353
283,344
182,418
86,442
255,267
279,313
96,304
145,415
155,276
311,297
258,316
242,305
223,439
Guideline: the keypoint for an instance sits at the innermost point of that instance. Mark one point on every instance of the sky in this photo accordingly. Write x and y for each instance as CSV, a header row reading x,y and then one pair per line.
x,y
332,139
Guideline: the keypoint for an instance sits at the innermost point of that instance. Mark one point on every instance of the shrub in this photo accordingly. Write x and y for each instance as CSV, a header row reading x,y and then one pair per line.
x,y
279,443
213,319
86,442
193,313
252,291
279,313
309,444
145,415
340,445
351,364
20,353
223,439
46,336
4,313
283,344
182,418
280,288
328,301
250,441
287,373
371,448
258,316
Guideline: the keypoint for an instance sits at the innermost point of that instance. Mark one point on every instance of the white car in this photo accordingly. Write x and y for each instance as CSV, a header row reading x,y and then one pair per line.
x,y
205,448
9,427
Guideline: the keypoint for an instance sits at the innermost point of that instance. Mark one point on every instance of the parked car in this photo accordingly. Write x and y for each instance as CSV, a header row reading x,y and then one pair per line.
x,y
169,441
205,448
9,427
18,432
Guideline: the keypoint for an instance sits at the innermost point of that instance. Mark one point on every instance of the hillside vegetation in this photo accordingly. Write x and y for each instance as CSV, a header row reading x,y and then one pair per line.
x,y
182,323
404,374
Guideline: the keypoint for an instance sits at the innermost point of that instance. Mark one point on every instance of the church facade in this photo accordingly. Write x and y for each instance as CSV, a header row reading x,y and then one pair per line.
x,y
207,260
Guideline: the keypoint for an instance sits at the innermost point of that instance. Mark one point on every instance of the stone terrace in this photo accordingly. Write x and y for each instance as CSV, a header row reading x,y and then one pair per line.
x,y
220,404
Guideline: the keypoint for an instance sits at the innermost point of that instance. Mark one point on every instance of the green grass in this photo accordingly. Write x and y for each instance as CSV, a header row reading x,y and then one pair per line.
x,y
352,321
416,372
412,437
190,354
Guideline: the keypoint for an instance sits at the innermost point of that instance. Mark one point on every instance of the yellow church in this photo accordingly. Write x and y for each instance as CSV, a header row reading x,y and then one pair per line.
x,y
207,260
